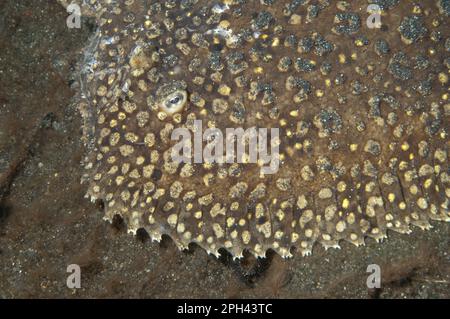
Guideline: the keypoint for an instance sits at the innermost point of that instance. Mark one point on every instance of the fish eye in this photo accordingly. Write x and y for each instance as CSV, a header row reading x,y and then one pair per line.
x,y
174,102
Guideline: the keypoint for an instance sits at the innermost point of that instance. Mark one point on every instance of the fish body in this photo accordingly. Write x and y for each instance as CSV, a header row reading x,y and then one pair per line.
x,y
362,113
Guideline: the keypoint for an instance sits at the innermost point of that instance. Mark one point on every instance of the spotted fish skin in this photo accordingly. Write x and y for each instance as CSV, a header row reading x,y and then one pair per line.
x,y
363,116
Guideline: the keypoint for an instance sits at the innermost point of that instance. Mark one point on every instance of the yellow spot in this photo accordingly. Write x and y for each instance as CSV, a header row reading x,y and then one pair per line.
x,y
308,233
405,146
340,226
246,236
294,113
443,78
224,90
403,165
224,24
162,116
258,70
218,230
342,58
113,123
126,150
172,220
422,203
391,197
341,186
275,42
345,203
359,42
230,221
278,234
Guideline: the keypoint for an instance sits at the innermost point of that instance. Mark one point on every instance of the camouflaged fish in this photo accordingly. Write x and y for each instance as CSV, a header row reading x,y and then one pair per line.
x,y
363,114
